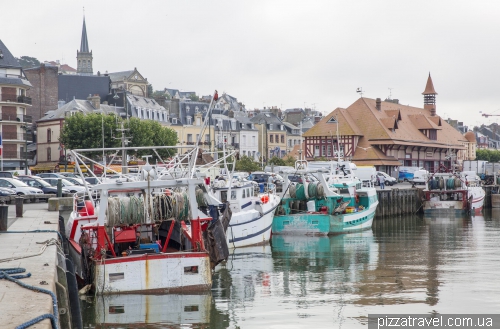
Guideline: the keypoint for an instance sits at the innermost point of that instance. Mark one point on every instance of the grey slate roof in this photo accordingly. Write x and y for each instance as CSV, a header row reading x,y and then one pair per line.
x,y
15,81
84,45
8,59
81,86
79,105
269,118
143,103
190,109
118,76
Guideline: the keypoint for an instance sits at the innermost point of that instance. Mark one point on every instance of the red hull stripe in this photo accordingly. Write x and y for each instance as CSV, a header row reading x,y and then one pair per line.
x,y
75,224
75,246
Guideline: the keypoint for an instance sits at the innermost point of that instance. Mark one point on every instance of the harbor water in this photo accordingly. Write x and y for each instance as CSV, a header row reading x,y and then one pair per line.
x,y
405,265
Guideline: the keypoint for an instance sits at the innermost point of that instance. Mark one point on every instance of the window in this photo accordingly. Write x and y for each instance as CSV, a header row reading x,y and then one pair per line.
x,y
244,141
282,139
277,138
49,155
253,141
233,195
271,138
270,126
188,120
190,138
174,121
49,135
198,121
233,125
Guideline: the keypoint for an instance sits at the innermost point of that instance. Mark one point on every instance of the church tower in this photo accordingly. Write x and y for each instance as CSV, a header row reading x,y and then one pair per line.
x,y
430,96
84,56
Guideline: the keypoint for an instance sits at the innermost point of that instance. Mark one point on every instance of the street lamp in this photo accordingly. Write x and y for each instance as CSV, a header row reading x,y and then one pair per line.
x,y
61,147
25,127
261,121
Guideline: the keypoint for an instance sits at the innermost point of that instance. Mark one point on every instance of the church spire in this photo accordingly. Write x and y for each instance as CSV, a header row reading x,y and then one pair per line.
x,y
430,96
84,45
84,56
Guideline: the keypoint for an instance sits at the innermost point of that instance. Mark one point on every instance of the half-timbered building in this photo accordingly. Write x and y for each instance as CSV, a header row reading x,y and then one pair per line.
x,y
386,134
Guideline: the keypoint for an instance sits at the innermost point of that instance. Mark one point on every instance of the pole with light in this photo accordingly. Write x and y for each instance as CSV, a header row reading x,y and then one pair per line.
x,y
25,127
262,122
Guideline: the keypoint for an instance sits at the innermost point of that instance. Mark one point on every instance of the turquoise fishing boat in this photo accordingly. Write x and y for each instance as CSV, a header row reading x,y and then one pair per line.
x,y
325,202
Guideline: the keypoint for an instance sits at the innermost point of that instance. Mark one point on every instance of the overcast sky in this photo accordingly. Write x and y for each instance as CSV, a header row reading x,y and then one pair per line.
x,y
281,53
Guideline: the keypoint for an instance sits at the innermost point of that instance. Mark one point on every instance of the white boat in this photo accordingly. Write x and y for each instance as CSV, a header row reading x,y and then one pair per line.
x,y
147,234
252,211
459,192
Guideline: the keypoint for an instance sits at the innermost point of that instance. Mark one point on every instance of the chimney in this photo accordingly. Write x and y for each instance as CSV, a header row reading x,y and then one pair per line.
x,y
95,101
231,114
378,104
433,112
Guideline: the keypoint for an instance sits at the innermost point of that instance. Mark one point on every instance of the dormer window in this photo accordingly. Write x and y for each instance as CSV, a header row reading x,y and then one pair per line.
x,y
174,121
282,127
270,126
189,120
233,125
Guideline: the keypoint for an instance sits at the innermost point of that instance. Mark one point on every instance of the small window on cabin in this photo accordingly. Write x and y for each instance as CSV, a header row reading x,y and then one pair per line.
x,y
223,196
244,193
233,195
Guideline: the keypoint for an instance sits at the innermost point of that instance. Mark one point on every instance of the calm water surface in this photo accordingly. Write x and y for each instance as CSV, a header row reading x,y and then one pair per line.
x,y
409,265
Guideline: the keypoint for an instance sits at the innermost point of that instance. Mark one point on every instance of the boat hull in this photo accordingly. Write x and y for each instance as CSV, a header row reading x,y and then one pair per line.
x,y
456,207
324,224
253,227
154,273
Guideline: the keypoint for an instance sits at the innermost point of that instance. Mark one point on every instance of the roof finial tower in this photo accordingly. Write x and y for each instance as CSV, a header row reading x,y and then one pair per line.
x,y
430,96
84,56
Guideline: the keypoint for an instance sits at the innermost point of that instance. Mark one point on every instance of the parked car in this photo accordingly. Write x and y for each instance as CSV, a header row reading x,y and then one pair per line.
x,y
73,176
4,191
21,188
50,175
92,180
389,180
66,184
75,181
37,182
6,174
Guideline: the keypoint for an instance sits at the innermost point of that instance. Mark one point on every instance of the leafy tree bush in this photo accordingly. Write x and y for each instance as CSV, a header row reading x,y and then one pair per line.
x,y
277,161
246,163
86,131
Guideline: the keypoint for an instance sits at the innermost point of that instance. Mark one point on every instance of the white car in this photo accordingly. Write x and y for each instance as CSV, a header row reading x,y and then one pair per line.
x,y
20,187
389,180
66,184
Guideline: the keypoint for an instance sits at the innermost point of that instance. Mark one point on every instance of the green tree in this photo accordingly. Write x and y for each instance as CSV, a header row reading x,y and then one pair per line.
x,y
86,131
150,133
246,163
289,160
26,62
277,161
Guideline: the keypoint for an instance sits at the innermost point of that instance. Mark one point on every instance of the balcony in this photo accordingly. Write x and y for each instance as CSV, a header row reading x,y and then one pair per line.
x,y
24,99
16,99
17,137
18,118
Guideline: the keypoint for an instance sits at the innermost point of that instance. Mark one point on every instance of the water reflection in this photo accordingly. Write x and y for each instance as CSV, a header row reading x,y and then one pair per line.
x,y
149,311
410,264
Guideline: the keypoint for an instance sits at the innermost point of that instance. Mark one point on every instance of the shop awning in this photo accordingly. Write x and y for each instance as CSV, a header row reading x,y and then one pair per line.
x,y
45,166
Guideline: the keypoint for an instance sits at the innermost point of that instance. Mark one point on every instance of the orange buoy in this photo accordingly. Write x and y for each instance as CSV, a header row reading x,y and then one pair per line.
x,y
264,198
87,209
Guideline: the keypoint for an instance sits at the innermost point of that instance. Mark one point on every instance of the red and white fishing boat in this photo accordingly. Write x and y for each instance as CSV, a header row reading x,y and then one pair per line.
x,y
146,234
458,192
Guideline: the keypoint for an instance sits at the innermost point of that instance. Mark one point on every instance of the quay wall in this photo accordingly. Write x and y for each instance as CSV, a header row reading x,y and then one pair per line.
x,y
30,243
